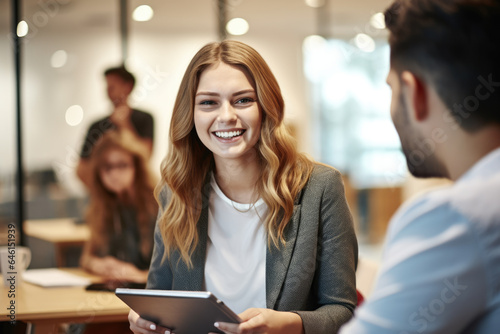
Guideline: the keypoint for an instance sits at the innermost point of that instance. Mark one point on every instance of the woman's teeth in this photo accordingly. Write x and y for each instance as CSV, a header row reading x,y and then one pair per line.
x,y
229,134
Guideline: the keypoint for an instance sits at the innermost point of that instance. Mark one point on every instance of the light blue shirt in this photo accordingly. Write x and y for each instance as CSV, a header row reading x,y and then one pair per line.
x,y
440,270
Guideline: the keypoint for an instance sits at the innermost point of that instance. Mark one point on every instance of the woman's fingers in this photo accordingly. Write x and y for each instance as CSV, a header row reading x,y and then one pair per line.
x,y
139,325
227,327
243,328
261,320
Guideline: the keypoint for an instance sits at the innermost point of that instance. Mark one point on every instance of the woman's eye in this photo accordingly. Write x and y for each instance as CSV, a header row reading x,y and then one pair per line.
x,y
207,102
245,100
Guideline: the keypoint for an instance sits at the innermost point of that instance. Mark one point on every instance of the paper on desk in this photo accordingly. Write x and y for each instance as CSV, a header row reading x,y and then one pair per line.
x,y
52,277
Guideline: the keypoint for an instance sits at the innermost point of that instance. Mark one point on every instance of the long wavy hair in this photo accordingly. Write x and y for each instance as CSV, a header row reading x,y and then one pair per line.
x,y
284,171
104,203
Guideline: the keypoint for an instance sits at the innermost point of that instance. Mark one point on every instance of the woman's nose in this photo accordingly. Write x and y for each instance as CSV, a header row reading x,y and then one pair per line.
x,y
227,113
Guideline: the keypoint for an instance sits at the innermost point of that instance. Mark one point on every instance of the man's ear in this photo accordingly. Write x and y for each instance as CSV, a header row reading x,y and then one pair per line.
x,y
415,93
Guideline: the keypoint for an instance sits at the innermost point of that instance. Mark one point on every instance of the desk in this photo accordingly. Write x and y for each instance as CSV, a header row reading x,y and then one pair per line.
x,y
47,308
62,232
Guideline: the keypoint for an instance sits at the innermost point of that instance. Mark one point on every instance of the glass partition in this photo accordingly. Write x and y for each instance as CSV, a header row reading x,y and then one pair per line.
x,y
68,45
353,128
8,124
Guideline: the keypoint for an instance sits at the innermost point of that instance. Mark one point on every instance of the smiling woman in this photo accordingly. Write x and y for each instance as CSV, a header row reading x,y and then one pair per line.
x,y
243,214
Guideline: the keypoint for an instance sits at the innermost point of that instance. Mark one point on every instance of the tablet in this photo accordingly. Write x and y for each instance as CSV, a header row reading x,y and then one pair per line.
x,y
184,312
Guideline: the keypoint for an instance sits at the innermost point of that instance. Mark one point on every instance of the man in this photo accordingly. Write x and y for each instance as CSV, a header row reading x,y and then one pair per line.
x,y
441,267
131,122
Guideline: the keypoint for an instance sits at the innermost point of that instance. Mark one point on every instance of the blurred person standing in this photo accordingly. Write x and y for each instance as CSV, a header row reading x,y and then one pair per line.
x,y
134,123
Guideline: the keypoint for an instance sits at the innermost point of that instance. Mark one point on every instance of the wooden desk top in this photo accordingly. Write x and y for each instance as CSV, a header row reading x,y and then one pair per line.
x,y
63,304
61,230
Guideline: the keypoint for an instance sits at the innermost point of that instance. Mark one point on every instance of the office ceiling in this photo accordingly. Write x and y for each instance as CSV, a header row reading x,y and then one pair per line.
x,y
339,18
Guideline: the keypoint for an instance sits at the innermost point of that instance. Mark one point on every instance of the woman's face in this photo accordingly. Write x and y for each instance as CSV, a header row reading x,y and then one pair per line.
x,y
227,115
117,171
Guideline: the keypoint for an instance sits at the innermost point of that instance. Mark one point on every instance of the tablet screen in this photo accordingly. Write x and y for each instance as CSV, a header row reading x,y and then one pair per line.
x,y
184,312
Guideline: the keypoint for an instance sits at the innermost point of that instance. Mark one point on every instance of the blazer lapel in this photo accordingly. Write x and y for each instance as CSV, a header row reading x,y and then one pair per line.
x,y
278,260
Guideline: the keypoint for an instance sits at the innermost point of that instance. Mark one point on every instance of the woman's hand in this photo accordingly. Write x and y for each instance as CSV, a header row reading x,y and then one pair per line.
x,y
139,325
264,321
110,268
127,272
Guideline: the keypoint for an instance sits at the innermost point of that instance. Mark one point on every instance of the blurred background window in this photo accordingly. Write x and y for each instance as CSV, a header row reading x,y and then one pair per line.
x,y
351,103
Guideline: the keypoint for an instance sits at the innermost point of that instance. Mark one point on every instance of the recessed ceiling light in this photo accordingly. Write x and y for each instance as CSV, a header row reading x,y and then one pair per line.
x,y
74,115
237,26
143,13
315,3
313,43
364,42
22,29
378,20
59,59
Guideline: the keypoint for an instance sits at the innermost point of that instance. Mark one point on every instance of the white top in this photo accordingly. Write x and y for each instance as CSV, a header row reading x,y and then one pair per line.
x,y
235,268
440,271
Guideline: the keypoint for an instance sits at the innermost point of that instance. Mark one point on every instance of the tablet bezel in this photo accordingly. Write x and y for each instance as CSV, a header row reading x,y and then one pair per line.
x,y
194,311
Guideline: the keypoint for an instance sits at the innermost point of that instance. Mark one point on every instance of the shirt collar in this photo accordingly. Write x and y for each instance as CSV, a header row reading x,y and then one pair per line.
x,y
486,166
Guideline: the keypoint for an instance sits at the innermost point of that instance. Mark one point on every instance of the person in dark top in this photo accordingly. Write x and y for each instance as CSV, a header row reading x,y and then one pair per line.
x,y
122,210
137,124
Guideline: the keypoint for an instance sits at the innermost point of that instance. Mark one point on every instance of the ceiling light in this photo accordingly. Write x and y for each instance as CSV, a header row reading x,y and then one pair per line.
x,y
314,43
315,3
364,42
314,48
59,59
74,115
378,21
143,13
22,29
237,26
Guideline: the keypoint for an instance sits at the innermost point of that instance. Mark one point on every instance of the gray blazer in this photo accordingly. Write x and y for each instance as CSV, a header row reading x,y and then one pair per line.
x,y
312,275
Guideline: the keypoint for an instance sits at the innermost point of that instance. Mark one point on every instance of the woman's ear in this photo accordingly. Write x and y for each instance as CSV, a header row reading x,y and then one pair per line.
x,y
415,92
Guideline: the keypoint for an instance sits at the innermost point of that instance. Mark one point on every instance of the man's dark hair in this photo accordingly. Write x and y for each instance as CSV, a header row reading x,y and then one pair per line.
x,y
453,45
122,73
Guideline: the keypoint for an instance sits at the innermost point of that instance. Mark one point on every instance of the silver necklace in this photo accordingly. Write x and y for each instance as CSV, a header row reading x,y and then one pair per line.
x,y
243,211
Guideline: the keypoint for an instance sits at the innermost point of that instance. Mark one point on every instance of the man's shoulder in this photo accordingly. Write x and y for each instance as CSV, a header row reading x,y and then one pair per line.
x,y
475,199
423,212
102,124
473,205
478,198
